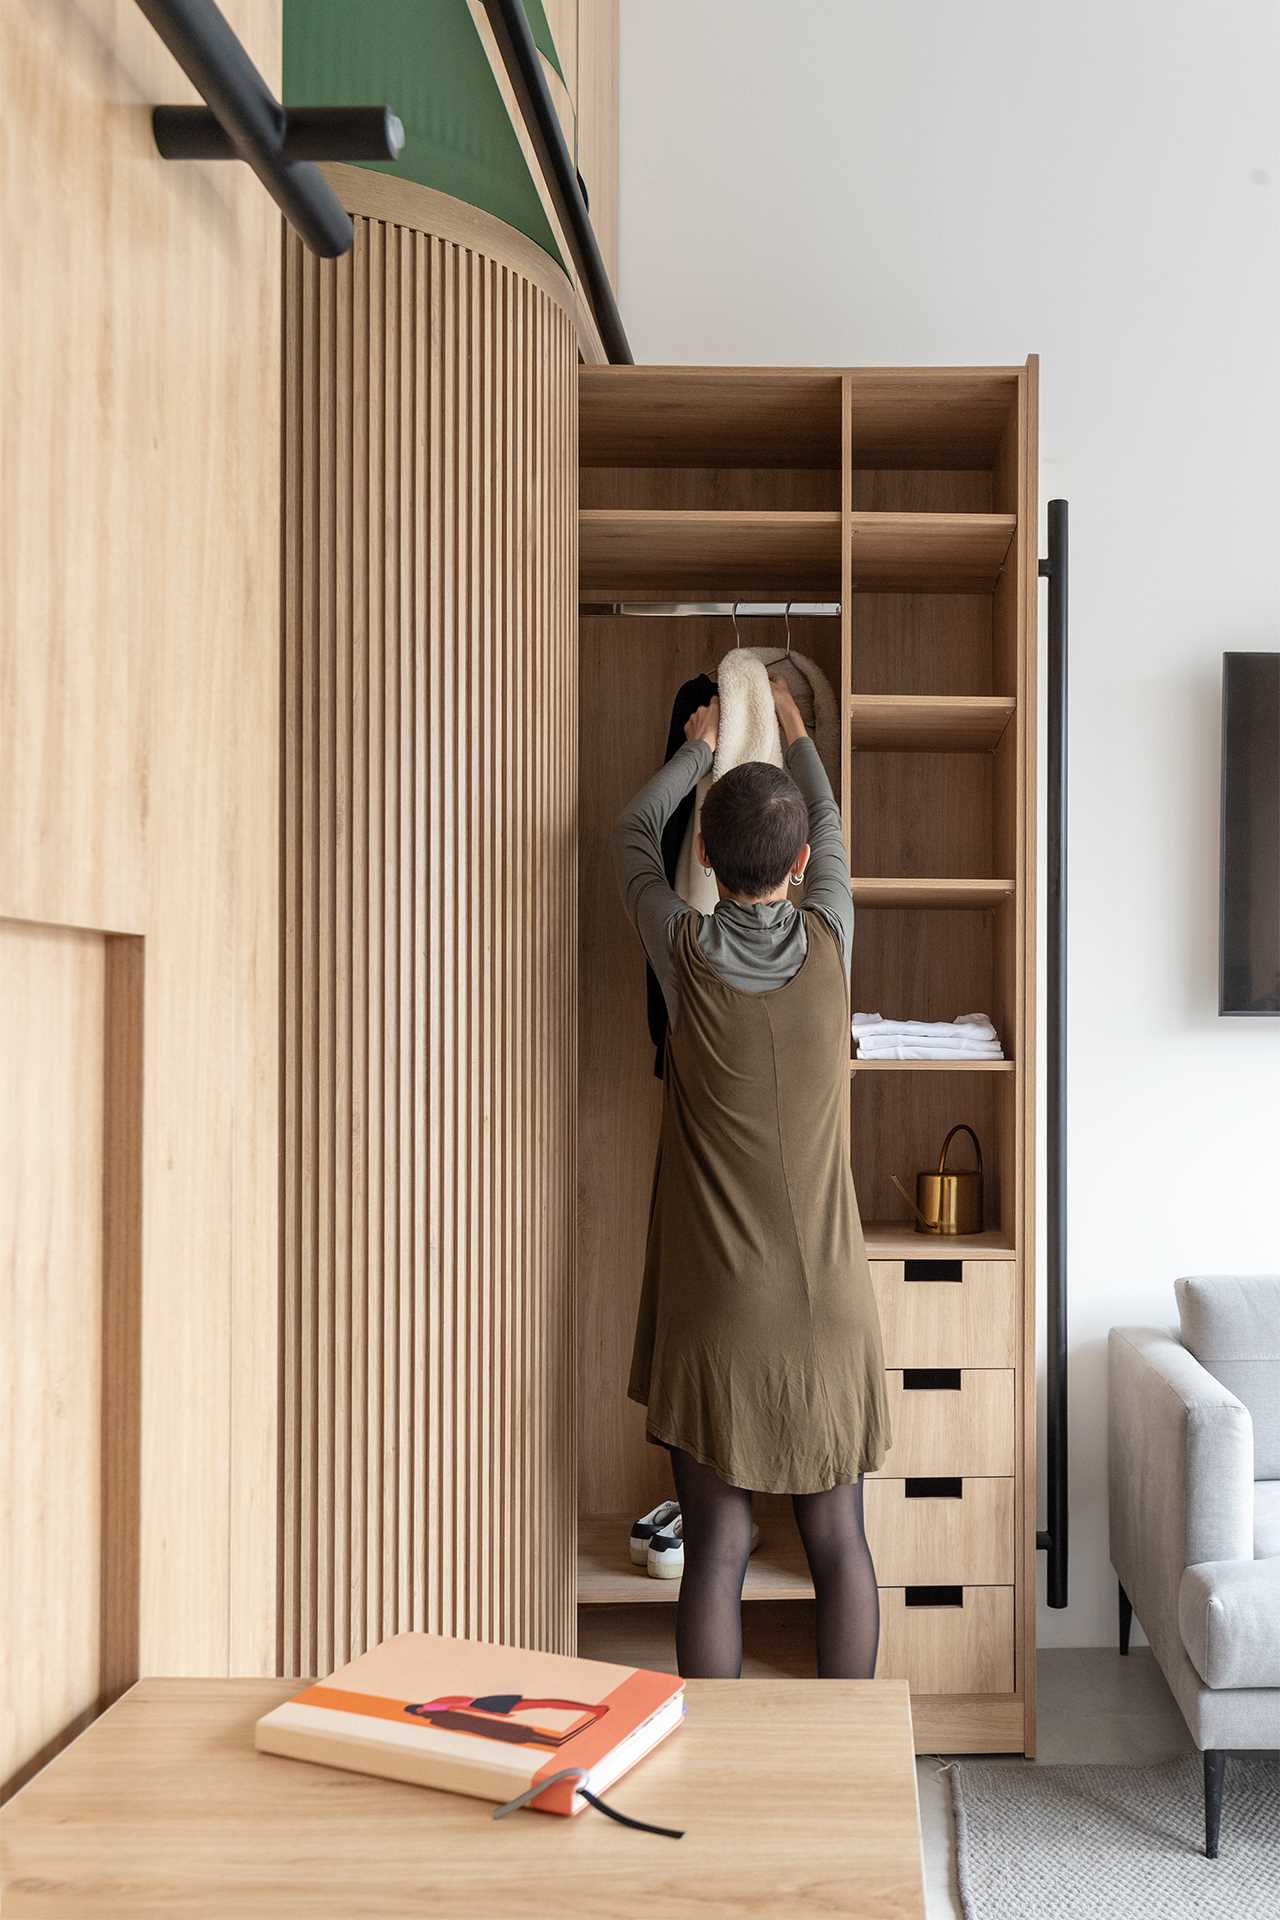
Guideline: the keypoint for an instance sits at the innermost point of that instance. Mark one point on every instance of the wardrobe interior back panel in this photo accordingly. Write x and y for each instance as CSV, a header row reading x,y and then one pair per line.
x,y
630,668
922,815
922,490
924,643
936,961
899,1122
713,489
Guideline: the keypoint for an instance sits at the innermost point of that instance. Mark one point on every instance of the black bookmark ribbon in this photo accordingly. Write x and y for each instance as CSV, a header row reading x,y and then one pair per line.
x,y
579,1774
625,1820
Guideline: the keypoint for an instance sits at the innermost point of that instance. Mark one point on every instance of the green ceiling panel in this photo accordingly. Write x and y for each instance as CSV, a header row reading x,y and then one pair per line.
x,y
540,27
424,59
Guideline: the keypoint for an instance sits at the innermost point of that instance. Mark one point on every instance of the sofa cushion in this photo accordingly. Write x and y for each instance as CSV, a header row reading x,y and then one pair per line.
x,y
1229,1618
1266,1519
1231,1323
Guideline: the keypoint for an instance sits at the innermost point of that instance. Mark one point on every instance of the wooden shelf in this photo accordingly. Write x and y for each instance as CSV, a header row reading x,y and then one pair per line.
x,y
875,892
932,417
926,723
632,550
775,1642
922,417
709,417
606,1577
937,552
930,1066
627,552
898,1240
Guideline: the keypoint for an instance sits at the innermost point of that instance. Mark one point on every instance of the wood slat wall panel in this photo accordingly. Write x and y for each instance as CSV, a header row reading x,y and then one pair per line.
x,y
430,949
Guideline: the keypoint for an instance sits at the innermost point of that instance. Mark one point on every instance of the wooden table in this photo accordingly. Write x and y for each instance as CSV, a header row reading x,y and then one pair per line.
x,y
798,1797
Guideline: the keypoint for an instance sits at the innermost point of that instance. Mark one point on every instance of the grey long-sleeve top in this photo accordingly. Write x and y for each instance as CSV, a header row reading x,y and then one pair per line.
x,y
753,948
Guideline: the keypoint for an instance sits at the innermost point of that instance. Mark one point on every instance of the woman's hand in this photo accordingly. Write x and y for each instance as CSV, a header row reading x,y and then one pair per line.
x,y
793,727
704,724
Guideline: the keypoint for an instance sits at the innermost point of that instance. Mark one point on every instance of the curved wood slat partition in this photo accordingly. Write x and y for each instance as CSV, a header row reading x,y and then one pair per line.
x,y
429,948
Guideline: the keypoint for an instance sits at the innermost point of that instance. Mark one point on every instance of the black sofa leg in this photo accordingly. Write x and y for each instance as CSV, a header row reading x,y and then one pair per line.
x,y
1126,1617
1215,1767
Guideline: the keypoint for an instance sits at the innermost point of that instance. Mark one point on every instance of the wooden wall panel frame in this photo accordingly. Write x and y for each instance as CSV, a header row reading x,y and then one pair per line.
x,y
139,679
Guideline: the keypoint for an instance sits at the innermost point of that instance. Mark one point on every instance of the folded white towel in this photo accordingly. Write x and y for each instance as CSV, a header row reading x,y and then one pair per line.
x,y
943,1042
927,1050
965,1025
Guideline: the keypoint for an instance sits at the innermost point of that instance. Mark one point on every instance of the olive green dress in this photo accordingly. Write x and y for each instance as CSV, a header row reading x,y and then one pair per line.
x,y
757,1347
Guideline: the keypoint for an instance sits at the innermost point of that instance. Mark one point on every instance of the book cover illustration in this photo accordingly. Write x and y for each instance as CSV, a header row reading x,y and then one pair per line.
x,y
477,1719
497,1716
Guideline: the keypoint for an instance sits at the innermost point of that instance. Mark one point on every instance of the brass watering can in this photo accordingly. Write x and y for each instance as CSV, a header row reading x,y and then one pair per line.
x,y
947,1202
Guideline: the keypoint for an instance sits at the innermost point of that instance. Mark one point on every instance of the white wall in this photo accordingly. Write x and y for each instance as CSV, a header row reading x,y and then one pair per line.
x,y
861,182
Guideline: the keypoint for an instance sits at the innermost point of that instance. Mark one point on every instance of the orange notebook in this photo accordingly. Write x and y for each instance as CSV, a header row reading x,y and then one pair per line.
x,y
483,1720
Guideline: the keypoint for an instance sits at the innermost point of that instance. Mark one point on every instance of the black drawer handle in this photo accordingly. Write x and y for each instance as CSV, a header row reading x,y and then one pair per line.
x,y
935,1596
933,1270
950,1487
931,1379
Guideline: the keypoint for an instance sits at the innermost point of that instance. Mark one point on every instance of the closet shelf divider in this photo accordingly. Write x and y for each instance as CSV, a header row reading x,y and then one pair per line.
x,y
627,552
878,892
898,1240
930,1066
606,1577
930,552
929,723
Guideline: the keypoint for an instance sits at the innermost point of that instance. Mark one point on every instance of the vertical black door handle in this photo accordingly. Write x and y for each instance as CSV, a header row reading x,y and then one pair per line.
x,y
1053,1537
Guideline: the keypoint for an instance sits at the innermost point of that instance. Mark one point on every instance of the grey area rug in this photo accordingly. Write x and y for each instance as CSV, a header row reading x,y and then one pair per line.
x,y
1115,1843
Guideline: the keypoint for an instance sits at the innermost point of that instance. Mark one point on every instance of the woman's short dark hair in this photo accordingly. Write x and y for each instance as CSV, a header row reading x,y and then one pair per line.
x,y
754,823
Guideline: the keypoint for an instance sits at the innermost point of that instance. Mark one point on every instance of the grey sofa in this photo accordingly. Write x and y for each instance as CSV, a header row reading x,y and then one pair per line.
x,y
1195,1511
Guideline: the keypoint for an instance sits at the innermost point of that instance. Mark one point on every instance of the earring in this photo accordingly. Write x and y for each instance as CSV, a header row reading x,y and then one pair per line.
x,y
708,872
797,879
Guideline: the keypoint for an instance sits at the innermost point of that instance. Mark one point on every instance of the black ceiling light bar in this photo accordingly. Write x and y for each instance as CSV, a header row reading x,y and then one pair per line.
x,y
243,120
523,62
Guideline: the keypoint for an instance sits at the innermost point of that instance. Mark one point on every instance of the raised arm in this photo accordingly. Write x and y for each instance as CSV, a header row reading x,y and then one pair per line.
x,y
827,885
651,903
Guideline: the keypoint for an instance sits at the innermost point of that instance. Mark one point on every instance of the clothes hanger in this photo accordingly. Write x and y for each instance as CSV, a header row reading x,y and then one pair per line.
x,y
737,641
778,658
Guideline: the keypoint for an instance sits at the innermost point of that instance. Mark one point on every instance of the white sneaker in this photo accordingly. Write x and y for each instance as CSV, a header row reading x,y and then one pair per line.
x,y
665,1558
650,1523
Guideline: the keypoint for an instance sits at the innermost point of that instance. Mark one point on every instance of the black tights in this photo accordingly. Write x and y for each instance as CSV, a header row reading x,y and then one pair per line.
x,y
717,1544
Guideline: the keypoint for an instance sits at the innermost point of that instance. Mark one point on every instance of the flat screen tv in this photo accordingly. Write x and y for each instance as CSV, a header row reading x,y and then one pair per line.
x,y
1249,973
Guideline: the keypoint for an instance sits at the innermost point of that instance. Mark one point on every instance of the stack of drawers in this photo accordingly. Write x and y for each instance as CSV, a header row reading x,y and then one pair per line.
x,y
941,1512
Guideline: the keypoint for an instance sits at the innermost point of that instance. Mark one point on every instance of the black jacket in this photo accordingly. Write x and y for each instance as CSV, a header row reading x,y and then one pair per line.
x,y
699,692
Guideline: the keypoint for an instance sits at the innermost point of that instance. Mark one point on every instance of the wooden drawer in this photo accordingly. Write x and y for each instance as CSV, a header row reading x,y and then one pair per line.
x,y
958,1641
950,1420
968,1319
941,1532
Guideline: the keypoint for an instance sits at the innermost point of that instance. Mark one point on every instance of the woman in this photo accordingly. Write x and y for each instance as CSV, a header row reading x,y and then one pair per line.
x,y
757,1350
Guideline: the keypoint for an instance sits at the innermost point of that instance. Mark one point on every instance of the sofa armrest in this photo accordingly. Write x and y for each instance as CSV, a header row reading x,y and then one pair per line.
x,y
1180,1472
1229,1613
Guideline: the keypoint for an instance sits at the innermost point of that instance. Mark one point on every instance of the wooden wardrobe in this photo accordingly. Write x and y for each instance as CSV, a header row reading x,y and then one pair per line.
x,y
907,498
